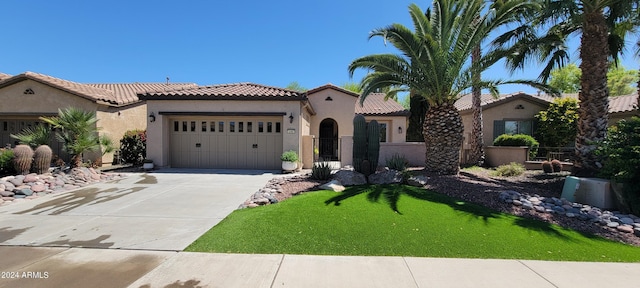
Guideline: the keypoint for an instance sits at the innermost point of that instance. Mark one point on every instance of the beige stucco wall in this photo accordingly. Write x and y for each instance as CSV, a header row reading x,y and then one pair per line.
x,y
505,111
393,122
47,100
158,132
341,109
115,121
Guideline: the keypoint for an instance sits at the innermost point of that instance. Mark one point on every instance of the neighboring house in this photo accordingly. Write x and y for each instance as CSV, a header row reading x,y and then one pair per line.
x,y
28,96
514,113
248,126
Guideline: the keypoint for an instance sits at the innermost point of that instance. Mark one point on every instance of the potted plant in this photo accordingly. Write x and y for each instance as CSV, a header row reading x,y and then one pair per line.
x,y
147,164
289,160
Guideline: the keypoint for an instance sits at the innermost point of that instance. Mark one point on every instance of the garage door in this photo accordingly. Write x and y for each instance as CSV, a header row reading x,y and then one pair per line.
x,y
226,142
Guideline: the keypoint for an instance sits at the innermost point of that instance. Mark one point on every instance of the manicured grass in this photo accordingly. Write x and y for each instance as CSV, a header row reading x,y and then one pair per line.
x,y
400,220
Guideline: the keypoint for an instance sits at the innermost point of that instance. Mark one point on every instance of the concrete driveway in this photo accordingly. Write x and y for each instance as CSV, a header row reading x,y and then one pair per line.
x,y
164,210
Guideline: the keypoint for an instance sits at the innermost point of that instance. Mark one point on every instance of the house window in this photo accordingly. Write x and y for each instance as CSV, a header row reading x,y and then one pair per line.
x,y
383,132
512,127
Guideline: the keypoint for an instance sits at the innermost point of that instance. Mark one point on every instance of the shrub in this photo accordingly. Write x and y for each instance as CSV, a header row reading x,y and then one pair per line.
x,y
518,140
133,146
509,170
321,171
546,167
397,162
6,163
558,125
289,156
621,156
556,165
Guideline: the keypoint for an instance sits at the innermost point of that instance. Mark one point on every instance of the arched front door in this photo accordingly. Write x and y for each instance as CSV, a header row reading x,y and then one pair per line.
x,y
328,141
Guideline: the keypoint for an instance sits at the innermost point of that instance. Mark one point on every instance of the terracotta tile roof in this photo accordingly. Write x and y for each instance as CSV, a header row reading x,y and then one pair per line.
x,y
617,104
334,87
4,76
487,100
110,94
235,91
375,105
128,92
625,103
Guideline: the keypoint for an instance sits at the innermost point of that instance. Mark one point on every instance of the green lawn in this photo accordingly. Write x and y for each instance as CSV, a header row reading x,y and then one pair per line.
x,y
400,220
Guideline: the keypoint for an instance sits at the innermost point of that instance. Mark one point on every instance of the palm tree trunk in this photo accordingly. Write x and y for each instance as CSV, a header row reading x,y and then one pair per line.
x,y
442,130
593,96
477,146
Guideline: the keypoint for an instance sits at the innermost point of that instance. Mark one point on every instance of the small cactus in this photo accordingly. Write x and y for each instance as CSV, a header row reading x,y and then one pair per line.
x,y
546,167
556,165
42,159
22,158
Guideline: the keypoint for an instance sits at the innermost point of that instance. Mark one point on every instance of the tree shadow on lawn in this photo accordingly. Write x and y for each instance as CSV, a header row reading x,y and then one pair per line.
x,y
392,193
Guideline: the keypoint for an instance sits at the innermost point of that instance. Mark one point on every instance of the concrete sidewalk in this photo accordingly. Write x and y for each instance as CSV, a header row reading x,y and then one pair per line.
x,y
83,267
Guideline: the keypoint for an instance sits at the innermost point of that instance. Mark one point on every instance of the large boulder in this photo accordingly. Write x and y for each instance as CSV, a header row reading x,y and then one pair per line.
x,y
333,185
386,177
350,178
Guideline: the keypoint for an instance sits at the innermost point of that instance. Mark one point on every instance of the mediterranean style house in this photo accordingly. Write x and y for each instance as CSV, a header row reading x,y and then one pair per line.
x,y
248,126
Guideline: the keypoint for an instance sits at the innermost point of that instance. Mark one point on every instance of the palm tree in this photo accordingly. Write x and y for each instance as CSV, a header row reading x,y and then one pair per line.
x,y
78,132
34,136
434,63
601,40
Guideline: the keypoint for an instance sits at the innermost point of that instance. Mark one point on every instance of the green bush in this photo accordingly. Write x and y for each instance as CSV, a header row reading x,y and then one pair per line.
x,y
397,162
621,156
321,171
558,125
6,163
133,146
509,170
518,140
289,156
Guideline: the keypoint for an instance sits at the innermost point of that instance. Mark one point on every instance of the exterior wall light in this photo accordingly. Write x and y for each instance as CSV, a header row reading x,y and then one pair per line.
x,y
399,129
291,117
152,117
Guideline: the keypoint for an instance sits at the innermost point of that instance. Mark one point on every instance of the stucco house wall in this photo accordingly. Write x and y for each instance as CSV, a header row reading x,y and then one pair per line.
x,y
341,109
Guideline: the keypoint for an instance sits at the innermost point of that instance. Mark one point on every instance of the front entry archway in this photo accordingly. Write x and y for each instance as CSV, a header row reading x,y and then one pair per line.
x,y
328,140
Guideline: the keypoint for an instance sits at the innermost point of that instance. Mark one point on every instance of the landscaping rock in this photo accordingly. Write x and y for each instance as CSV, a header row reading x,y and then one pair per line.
x,y
350,178
386,177
333,185
418,181
6,193
625,228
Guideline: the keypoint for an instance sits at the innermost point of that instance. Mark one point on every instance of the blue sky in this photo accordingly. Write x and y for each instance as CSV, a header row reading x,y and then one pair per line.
x,y
206,42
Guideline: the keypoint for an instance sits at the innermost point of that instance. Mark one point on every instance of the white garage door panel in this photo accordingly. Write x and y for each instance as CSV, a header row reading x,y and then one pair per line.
x,y
226,142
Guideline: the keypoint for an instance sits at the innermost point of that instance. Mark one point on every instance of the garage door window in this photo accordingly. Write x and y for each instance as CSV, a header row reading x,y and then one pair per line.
x,y
204,126
232,126
240,127
221,126
212,126
260,127
249,127
278,127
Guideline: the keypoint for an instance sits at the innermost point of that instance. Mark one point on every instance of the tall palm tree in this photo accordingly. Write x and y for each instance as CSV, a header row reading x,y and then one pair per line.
x,y
434,63
78,132
601,41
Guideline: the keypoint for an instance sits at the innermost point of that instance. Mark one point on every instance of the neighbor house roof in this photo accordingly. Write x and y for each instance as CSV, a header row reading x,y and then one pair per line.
x,y
487,100
235,91
375,105
617,104
625,103
334,87
109,94
4,76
